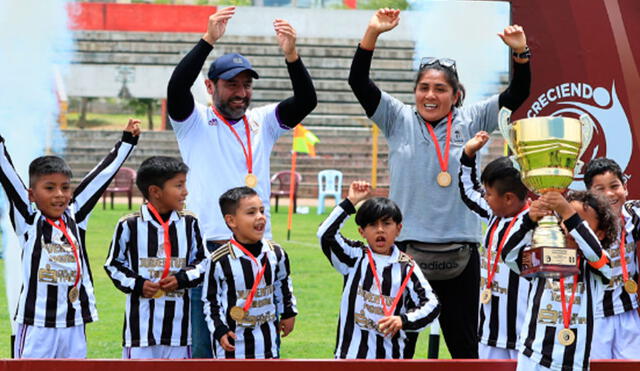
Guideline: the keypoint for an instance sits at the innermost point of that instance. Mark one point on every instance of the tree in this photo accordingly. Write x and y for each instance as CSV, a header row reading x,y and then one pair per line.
x,y
141,106
377,4
84,105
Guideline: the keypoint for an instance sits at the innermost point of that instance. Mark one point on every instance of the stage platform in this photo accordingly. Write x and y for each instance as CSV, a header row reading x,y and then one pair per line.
x,y
288,365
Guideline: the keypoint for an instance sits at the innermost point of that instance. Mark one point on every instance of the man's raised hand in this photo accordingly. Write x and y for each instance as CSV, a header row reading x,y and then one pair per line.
x,y
218,24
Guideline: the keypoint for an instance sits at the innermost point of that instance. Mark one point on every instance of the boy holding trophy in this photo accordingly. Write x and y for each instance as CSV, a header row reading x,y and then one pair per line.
x,y
568,272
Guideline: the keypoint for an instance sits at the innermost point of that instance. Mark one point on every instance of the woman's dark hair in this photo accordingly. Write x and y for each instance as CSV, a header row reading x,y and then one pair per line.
x,y
377,208
501,175
600,166
450,75
607,219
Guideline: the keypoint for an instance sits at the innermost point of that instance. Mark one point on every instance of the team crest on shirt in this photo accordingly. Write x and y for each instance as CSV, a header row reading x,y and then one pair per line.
x,y
253,124
213,121
457,136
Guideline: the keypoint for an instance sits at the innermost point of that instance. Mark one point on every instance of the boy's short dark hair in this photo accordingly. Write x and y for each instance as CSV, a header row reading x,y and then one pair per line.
x,y
230,200
607,219
600,166
501,175
156,171
45,165
377,208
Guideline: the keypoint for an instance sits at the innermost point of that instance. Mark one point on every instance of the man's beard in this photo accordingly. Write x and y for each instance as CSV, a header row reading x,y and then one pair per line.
x,y
227,111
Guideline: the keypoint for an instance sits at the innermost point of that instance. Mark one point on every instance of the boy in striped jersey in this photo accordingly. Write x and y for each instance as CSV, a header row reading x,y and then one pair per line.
x,y
248,295
56,299
558,327
385,301
154,257
617,320
503,293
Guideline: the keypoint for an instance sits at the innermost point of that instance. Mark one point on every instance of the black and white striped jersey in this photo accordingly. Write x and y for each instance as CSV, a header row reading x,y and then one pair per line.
x,y
615,299
501,319
48,264
543,321
136,255
361,307
229,277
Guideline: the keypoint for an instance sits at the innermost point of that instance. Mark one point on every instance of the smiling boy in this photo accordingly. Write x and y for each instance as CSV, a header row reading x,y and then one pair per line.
x,y
617,321
57,299
248,294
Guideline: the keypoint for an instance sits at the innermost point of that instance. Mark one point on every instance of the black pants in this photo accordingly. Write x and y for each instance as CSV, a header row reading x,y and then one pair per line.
x,y
459,298
458,318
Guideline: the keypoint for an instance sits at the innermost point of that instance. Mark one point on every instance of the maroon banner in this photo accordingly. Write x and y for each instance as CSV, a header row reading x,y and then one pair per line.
x,y
289,365
586,58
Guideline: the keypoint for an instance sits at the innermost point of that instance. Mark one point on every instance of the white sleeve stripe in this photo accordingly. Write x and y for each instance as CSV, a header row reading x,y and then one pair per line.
x,y
98,179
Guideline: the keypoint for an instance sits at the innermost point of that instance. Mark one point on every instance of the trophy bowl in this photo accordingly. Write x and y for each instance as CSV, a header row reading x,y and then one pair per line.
x,y
547,151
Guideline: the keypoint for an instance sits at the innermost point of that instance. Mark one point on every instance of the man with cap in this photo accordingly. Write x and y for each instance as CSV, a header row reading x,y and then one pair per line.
x,y
228,145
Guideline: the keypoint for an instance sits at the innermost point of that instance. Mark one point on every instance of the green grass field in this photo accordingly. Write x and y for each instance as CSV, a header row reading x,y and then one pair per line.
x,y
109,121
317,287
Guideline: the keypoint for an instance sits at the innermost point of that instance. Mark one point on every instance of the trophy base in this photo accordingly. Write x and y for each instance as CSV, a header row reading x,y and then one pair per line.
x,y
549,262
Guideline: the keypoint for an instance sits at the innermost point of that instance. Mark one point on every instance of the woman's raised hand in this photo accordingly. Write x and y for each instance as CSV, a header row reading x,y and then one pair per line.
x,y
384,19
514,37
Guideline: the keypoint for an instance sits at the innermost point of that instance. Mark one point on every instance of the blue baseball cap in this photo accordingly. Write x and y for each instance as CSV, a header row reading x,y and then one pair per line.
x,y
229,65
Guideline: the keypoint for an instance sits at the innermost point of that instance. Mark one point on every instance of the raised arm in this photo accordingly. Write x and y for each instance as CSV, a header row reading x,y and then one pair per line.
x,y
293,110
93,185
343,253
471,191
520,85
20,212
363,87
180,103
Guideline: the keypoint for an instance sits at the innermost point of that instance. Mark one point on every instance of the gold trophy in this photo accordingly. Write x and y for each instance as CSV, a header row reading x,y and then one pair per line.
x,y
547,151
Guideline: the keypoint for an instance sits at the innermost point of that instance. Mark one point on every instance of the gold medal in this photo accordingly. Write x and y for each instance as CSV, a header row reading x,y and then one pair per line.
x,y
630,286
237,313
485,297
73,294
251,180
566,337
158,294
444,179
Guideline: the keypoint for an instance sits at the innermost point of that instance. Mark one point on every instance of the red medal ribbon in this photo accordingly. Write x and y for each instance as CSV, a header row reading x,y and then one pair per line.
x,y
443,160
63,228
167,241
491,269
566,312
254,288
623,260
388,311
248,155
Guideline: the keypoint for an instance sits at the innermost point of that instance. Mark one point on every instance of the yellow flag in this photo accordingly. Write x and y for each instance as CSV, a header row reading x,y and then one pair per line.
x,y
304,141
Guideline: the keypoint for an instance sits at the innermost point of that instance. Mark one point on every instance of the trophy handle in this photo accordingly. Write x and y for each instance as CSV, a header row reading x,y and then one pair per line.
x,y
504,116
587,133
514,161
